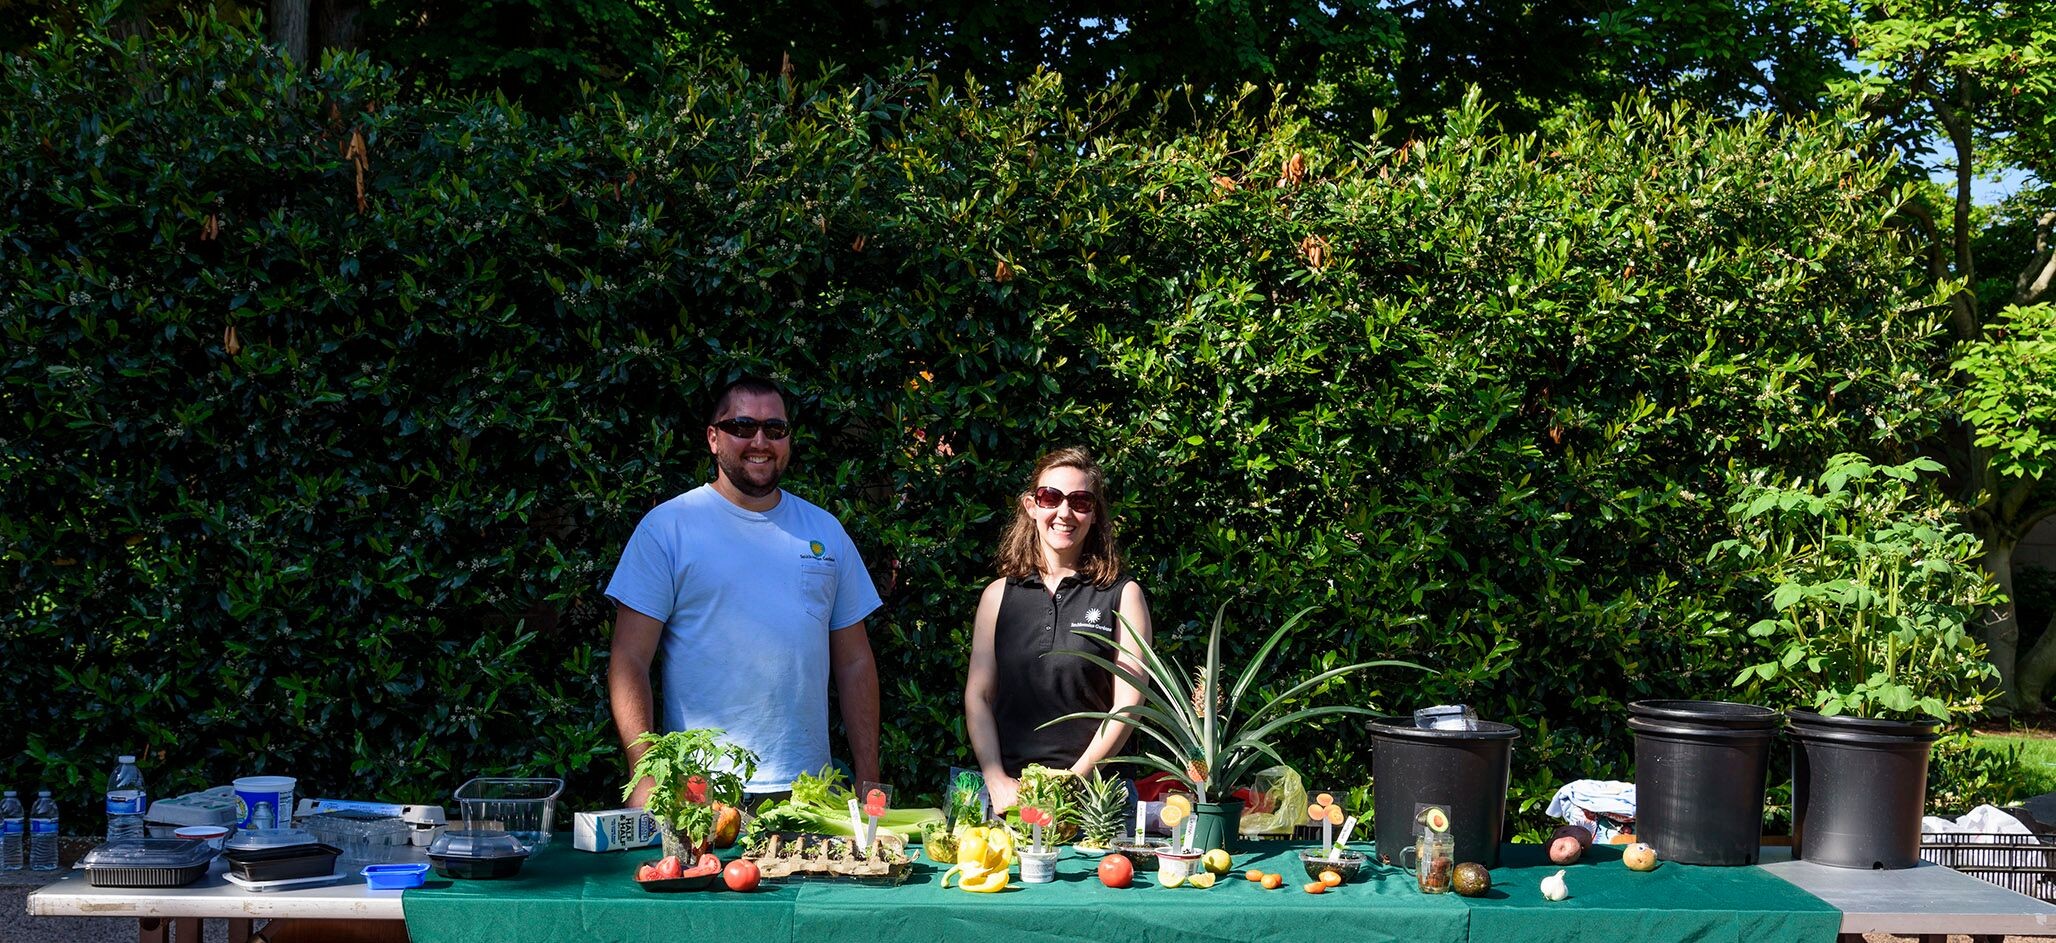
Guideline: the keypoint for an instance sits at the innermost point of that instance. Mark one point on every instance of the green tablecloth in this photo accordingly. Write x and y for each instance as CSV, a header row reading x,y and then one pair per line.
x,y
563,894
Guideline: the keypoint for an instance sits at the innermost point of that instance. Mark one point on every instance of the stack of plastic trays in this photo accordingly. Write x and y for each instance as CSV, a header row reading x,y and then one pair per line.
x,y
364,837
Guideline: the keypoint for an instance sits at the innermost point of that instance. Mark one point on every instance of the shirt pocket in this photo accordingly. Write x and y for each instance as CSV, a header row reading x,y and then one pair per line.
x,y
817,590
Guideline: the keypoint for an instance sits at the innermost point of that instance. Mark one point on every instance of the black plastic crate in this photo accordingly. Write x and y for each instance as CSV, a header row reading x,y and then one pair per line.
x,y
2025,864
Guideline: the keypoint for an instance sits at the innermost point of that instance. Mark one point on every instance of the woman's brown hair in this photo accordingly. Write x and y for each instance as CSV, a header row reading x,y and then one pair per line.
x,y
1100,561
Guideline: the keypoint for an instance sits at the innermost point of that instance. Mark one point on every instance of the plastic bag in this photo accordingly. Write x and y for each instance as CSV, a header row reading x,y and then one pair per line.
x,y
1274,802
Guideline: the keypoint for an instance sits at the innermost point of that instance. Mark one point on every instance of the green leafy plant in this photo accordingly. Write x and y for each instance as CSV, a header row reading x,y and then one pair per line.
x,y
690,770
1209,742
965,804
1055,791
1872,587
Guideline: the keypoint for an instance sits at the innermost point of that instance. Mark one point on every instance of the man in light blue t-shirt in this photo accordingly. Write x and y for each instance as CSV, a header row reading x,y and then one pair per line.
x,y
758,600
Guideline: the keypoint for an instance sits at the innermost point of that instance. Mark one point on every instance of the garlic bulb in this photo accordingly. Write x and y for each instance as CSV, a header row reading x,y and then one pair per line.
x,y
1553,887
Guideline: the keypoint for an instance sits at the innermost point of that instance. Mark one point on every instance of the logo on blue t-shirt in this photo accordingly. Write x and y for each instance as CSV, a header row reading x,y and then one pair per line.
x,y
817,548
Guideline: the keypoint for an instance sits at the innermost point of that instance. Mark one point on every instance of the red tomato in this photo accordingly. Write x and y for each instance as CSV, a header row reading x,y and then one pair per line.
x,y
708,860
670,867
1116,871
741,875
646,873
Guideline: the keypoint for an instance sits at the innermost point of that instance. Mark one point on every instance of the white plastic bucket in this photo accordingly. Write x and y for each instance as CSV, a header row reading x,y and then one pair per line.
x,y
264,801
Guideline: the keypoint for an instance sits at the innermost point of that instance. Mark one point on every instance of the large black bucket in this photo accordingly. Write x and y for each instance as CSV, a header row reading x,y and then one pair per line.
x,y
1699,771
1464,770
1859,787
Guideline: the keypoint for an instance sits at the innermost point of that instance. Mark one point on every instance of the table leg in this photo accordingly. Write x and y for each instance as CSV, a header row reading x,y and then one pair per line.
x,y
239,930
151,930
185,930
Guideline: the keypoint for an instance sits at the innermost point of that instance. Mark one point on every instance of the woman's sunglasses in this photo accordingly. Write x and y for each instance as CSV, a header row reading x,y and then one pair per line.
x,y
1082,502
745,428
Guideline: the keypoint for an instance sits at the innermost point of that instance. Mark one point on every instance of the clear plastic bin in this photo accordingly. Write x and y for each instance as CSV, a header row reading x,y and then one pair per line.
x,y
527,808
364,837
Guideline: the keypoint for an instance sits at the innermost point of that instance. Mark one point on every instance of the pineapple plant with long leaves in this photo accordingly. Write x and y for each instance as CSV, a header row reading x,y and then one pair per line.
x,y
1200,731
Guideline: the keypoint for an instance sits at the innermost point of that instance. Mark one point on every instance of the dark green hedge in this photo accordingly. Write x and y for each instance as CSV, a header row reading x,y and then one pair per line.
x,y
325,410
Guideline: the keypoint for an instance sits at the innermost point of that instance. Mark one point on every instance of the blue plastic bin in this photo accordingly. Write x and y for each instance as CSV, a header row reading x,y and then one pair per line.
x,y
395,877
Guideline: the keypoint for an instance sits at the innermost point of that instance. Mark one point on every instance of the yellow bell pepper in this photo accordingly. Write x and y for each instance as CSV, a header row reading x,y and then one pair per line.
x,y
983,857
989,884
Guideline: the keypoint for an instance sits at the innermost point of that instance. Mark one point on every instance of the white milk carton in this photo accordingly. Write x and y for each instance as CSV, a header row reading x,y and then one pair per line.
x,y
613,830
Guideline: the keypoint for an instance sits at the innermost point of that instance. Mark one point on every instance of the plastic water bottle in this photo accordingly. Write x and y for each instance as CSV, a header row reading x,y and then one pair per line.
x,y
13,832
126,800
43,833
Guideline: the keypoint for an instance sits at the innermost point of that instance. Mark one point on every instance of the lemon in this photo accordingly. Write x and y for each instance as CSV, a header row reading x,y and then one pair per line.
x,y
1171,880
1218,862
1202,881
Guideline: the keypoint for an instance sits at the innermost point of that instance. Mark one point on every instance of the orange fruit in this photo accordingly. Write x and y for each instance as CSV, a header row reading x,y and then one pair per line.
x,y
1316,887
1253,874
1331,878
1273,881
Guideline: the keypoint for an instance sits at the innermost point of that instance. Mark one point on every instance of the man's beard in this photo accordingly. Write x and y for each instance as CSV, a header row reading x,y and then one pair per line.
x,y
738,474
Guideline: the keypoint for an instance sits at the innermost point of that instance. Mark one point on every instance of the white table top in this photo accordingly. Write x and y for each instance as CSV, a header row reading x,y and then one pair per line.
x,y
1915,901
213,896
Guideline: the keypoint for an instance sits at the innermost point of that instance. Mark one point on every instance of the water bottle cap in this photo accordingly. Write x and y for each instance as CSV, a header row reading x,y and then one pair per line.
x,y
43,793
126,758
8,792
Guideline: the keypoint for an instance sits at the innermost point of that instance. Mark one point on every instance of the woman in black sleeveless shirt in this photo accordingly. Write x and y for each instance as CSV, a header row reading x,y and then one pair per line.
x,y
1060,575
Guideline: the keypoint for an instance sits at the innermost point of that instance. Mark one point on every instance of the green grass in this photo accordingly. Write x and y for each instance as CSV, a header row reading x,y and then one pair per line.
x,y
2037,757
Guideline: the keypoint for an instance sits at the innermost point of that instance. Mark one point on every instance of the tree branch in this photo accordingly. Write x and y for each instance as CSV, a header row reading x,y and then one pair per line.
x,y
2040,271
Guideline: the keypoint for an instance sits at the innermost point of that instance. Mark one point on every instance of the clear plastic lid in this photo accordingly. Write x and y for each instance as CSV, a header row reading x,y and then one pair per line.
x,y
264,839
149,853
477,843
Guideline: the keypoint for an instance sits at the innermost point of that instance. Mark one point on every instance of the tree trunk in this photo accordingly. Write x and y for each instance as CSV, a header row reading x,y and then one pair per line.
x,y
290,20
2037,668
2002,626
339,24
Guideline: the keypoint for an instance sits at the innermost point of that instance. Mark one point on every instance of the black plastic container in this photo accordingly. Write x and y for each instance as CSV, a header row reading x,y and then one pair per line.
x,y
1464,771
1859,786
1699,773
282,864
477,854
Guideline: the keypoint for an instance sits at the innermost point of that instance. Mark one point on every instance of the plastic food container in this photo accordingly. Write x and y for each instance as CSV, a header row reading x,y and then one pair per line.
x,y
214,835
477,854
150,862
395,877
364,837
279,855
524,808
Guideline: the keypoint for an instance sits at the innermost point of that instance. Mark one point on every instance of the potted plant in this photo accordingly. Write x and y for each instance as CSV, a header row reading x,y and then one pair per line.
x,y
1056,792
1209,728
697,777
963,807
1872,588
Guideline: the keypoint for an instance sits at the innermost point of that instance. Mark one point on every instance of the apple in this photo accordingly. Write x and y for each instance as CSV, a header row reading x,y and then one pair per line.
x,y
1116,871
727,824
741,875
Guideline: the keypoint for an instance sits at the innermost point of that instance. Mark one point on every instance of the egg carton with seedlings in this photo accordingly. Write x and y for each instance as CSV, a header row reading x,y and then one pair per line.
x,y
798,856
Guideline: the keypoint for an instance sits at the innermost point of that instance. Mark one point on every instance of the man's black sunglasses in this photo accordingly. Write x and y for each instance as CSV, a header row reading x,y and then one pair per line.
x,y
745,428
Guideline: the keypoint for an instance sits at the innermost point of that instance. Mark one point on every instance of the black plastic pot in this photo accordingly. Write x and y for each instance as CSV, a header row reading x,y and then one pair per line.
x,y
1216,823
1699,771
1859,786
1465,771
